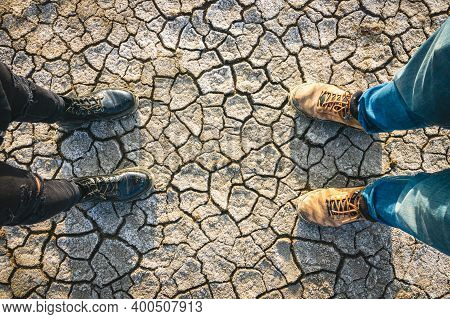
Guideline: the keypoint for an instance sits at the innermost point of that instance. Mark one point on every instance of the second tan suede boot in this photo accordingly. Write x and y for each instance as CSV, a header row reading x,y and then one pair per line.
x,y
324,101
332,206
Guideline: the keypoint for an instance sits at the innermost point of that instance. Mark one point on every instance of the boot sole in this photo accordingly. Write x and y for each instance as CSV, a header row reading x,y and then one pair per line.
x,y
77,125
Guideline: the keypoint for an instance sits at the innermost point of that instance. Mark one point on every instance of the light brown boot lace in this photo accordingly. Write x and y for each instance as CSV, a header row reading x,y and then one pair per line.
x,y
336,103
345,209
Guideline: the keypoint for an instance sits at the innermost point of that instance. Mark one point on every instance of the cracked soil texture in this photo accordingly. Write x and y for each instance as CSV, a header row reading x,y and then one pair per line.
x,y
227,151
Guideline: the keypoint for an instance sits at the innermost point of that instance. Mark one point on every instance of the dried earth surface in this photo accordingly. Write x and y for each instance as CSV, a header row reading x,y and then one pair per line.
x,y
227,151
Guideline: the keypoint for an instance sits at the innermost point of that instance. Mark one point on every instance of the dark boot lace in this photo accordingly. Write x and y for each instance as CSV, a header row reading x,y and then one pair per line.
x,y
84,106
336,103
99,186
346,209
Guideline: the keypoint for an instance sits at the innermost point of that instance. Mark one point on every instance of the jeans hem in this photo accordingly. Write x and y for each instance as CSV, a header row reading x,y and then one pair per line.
x,y
366,194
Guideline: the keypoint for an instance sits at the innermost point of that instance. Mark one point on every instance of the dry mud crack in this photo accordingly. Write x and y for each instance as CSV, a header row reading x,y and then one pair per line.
x,y
227,152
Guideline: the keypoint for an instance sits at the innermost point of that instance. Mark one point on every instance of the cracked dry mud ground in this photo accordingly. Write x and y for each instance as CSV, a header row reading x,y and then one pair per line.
x,y
227,152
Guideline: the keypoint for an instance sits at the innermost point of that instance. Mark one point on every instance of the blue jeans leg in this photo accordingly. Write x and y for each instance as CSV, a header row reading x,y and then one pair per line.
x,y
382,109
419,205
418,97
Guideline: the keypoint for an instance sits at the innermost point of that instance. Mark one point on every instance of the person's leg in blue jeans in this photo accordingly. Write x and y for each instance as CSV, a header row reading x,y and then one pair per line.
x,y
418,205
418,97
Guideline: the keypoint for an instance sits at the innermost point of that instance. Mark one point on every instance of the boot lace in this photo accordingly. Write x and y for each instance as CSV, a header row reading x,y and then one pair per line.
x,y
346,209
84,106
336,103
100,186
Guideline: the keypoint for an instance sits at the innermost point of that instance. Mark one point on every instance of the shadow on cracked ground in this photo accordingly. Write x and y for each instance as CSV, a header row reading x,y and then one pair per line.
x,y
227,152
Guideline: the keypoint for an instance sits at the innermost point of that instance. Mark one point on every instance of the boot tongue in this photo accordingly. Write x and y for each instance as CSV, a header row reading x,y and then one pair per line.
x,y
81,106
322,98
346,206
85,187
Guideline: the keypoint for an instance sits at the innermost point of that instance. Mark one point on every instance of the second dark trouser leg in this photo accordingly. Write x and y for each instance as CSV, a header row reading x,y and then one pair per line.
x,y
22,203
29,102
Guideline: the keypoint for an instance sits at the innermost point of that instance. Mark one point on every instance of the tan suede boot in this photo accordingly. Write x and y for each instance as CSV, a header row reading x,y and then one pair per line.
x,y
325,102
331,206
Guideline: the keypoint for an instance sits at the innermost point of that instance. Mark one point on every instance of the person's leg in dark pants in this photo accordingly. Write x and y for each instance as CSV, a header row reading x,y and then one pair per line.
x,y
29,102
26,199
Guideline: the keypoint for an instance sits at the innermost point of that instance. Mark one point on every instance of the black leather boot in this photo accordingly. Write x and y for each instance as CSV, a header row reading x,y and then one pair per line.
x,y
108,104
123,185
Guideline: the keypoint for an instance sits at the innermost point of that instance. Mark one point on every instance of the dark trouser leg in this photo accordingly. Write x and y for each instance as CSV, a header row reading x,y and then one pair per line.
x,y
29,102
22,203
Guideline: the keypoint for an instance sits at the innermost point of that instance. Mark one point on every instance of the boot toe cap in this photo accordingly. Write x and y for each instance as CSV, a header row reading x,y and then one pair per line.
x,y
303,97
140,182
304,207
134,183
119,101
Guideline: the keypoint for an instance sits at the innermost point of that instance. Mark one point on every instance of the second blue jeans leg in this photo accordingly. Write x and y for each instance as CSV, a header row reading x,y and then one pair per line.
x,y
419,205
